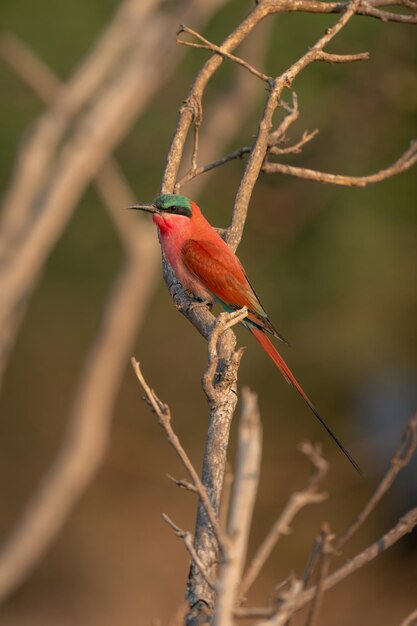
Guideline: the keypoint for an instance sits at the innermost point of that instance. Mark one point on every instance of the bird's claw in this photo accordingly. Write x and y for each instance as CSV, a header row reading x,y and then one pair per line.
x,y
197,303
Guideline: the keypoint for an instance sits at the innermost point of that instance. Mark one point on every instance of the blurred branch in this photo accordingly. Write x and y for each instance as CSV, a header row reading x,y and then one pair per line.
x,y
111,184
297,501
400,459
410,620
249,450
326,549
86,441
290,603
36,155
298,597
55,180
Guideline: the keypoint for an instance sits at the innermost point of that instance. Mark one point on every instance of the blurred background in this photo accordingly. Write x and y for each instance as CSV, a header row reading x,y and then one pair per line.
x,y
335,268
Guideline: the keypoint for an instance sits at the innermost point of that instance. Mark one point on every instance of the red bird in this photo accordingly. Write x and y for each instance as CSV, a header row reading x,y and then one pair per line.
x,y
207,267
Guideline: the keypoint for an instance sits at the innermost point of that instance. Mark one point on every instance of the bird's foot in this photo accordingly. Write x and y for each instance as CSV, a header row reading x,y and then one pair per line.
x,y
197,303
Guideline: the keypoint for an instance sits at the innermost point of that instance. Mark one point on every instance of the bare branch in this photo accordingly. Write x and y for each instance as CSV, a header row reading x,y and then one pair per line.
x,y
312,559
297,501
211,46
51,177
183,483
400,459
223,322
406,160
295,148
293,113
241,509
164,419
410,620
326,550
30,69
260,147
300,599
236,154
85,442
330,57
188,542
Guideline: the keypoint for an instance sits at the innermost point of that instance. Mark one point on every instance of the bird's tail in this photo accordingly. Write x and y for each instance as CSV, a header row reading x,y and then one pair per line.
x,y
273,353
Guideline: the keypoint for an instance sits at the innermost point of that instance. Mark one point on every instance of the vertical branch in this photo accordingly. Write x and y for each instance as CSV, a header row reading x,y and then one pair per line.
x,y
220,386
241,509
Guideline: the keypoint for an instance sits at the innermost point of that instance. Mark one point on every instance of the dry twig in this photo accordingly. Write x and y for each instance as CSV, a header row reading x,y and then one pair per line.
x,y
406,160
297,501
188,542
289,606
400,459
326,550
164,419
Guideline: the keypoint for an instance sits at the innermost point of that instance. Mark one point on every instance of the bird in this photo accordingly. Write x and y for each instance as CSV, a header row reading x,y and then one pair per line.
x,y
208,268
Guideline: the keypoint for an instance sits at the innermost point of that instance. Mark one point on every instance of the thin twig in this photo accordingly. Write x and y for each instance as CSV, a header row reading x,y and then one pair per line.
x,y
208,45
295,148
188,542
325,552
164,419
400,459
330,57
257,156
297,501
293,112
236,154
223,322
406,160
311,563
183,483
273,618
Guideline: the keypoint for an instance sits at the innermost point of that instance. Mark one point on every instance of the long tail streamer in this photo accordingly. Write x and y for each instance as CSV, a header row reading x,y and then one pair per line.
x,y
273,353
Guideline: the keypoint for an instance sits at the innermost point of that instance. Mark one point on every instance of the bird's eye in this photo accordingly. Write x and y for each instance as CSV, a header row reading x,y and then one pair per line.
x,y
173,209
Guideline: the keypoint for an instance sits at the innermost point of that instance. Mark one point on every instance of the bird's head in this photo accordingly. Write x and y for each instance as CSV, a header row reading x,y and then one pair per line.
x,y
169,210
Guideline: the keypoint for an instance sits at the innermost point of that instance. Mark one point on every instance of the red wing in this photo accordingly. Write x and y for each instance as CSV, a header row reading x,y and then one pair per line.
x,y
221,273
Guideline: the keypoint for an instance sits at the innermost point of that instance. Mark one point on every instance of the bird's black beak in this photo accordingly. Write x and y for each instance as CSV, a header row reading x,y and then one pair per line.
x,y
150,207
